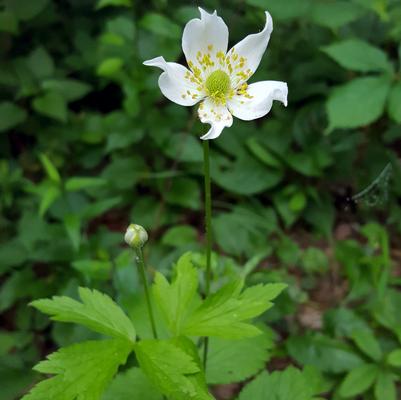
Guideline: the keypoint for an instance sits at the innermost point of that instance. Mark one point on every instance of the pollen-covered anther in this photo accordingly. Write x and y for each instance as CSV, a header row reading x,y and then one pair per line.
x,y
243,91
195,76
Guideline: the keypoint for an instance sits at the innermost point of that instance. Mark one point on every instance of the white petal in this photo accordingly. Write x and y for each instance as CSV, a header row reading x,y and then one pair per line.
x,y
175,82
262,96
252,49
216,115
207,35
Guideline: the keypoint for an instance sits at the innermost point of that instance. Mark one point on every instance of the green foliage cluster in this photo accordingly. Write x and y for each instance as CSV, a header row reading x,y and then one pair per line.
x,y
88,144
173,365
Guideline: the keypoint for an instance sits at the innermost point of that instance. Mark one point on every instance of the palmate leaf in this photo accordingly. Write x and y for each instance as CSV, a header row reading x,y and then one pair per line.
x,y
250,355
82,371
174,299
224,314
227,312
174,367
97,312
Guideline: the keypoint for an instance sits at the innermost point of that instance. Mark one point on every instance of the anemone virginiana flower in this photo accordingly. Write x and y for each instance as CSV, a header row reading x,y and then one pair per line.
x,y
217,78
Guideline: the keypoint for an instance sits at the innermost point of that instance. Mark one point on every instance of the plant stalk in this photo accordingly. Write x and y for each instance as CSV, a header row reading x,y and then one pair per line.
x,y
142,272
208,225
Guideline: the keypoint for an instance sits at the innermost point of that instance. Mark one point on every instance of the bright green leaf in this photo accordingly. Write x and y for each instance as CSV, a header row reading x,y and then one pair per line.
x,y
367,342
297,202
50,194
174,299
170,368
290,384
82,182
250,356
110,67
358,55
132,385
358,102
97,312
359,380
50,168
394,358
227,312
81,371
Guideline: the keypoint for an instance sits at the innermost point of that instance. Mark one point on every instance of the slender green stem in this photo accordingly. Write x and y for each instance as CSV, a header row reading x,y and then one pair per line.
x,y
205,351
208,225
142,272
208,215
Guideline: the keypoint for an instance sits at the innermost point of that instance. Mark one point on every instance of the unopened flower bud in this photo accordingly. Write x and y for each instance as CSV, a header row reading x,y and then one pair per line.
x,y
136,236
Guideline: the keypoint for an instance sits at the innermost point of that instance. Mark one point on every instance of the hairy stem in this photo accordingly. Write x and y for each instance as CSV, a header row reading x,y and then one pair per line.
x,y
142,272
208,223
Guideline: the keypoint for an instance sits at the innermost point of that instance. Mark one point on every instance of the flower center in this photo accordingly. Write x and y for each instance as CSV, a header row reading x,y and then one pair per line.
x,y
218,85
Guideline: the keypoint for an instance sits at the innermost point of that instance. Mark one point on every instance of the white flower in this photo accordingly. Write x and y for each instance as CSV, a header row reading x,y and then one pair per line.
x,y
136,236
217,78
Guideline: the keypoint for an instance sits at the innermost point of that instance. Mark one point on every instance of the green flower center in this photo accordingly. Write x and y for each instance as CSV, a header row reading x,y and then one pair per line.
x,y
218,84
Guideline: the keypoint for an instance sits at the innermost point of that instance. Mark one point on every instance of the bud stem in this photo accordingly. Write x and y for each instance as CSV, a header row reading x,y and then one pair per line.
x,y
208,223
142,272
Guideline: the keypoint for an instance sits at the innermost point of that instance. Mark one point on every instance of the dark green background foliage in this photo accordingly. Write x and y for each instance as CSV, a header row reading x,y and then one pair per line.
x,y
88,144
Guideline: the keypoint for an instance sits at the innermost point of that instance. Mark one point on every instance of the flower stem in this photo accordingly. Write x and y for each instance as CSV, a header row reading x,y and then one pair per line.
x,y
208,224
208,215
142,272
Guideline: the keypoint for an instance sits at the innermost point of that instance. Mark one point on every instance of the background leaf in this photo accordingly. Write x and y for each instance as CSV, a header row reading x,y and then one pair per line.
x,y
358,55
359,380
353,104
10,116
